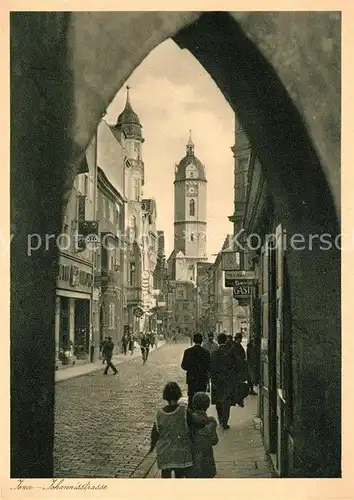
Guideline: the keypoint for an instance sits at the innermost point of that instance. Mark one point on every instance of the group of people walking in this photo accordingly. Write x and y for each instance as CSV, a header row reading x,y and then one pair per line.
x,y
146,341
184,436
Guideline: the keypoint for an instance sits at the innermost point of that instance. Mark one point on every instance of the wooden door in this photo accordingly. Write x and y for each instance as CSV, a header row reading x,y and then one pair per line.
x,y
281,402
272,345
264,404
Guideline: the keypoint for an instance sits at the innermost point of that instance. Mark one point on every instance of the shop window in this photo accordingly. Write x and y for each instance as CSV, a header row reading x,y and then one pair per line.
x,y
192,208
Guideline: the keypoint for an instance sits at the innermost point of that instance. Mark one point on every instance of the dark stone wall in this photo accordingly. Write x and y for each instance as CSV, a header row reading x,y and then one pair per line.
x,y
303,203
41,96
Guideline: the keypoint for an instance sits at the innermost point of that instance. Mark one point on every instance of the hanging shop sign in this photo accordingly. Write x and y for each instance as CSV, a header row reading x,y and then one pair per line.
x,y
138,312
232,276
243,289
88,233
81,208
230,261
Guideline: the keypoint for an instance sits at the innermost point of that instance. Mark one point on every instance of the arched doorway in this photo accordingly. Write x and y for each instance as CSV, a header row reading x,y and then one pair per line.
x,y
276,108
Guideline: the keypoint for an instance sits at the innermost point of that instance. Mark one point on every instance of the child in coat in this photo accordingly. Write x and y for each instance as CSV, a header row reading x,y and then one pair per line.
x,y
204,437
171,435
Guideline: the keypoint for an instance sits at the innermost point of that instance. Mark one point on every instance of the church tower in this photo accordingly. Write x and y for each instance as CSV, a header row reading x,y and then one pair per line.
x,y
190,226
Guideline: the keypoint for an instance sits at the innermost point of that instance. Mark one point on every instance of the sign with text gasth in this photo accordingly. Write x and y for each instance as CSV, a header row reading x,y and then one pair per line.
x,y
242,288
230,261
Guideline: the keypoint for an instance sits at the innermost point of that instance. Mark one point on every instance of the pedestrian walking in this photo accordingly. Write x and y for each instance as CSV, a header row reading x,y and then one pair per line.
x,y
131,344
107,352
241,353
171,435
144,347
204,437
252,366
227,373
102,349
153,342
210,345
196,362
125,341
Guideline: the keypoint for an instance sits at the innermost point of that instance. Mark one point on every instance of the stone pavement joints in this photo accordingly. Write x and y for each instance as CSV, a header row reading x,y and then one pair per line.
x,y
103,424
65,373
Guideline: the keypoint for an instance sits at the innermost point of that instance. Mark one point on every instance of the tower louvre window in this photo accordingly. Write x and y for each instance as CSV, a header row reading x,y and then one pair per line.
x,y
192,208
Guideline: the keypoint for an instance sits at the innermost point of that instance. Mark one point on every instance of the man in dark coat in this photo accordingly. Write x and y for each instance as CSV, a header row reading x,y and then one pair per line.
x,y
252,366
196,362
107,352
227,372
145,347
241,353
125,343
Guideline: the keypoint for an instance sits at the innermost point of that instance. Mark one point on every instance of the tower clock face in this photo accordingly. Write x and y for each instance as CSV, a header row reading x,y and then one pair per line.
x,y
192,189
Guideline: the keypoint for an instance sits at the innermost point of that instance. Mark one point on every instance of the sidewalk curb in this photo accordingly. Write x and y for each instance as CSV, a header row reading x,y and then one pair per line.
x,y
117,359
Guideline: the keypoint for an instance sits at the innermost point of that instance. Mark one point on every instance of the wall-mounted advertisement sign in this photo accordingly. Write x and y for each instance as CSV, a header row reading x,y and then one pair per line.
x,y
232,276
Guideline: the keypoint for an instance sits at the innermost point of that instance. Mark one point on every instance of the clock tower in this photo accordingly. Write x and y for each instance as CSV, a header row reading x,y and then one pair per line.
x,y
190,226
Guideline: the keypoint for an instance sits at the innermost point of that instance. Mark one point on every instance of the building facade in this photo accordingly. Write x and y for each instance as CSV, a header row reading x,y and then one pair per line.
x,y
140,229
161,285
183,305
190,226
73,314
112,164
292,425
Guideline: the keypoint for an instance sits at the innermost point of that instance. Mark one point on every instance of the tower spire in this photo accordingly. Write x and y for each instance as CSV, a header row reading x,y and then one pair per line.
x,y
128,97
190,144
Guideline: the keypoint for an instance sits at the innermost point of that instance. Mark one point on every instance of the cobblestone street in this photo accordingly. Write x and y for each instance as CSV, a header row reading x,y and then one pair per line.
x,y
103,424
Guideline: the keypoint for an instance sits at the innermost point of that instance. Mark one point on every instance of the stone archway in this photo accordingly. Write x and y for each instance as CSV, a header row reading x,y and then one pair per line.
x,y
66,68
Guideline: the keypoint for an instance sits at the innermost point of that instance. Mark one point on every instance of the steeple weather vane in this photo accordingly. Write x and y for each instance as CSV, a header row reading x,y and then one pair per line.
x,y
190,144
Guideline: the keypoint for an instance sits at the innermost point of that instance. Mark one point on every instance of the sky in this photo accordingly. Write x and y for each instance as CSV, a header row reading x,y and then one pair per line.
x,y
172,93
